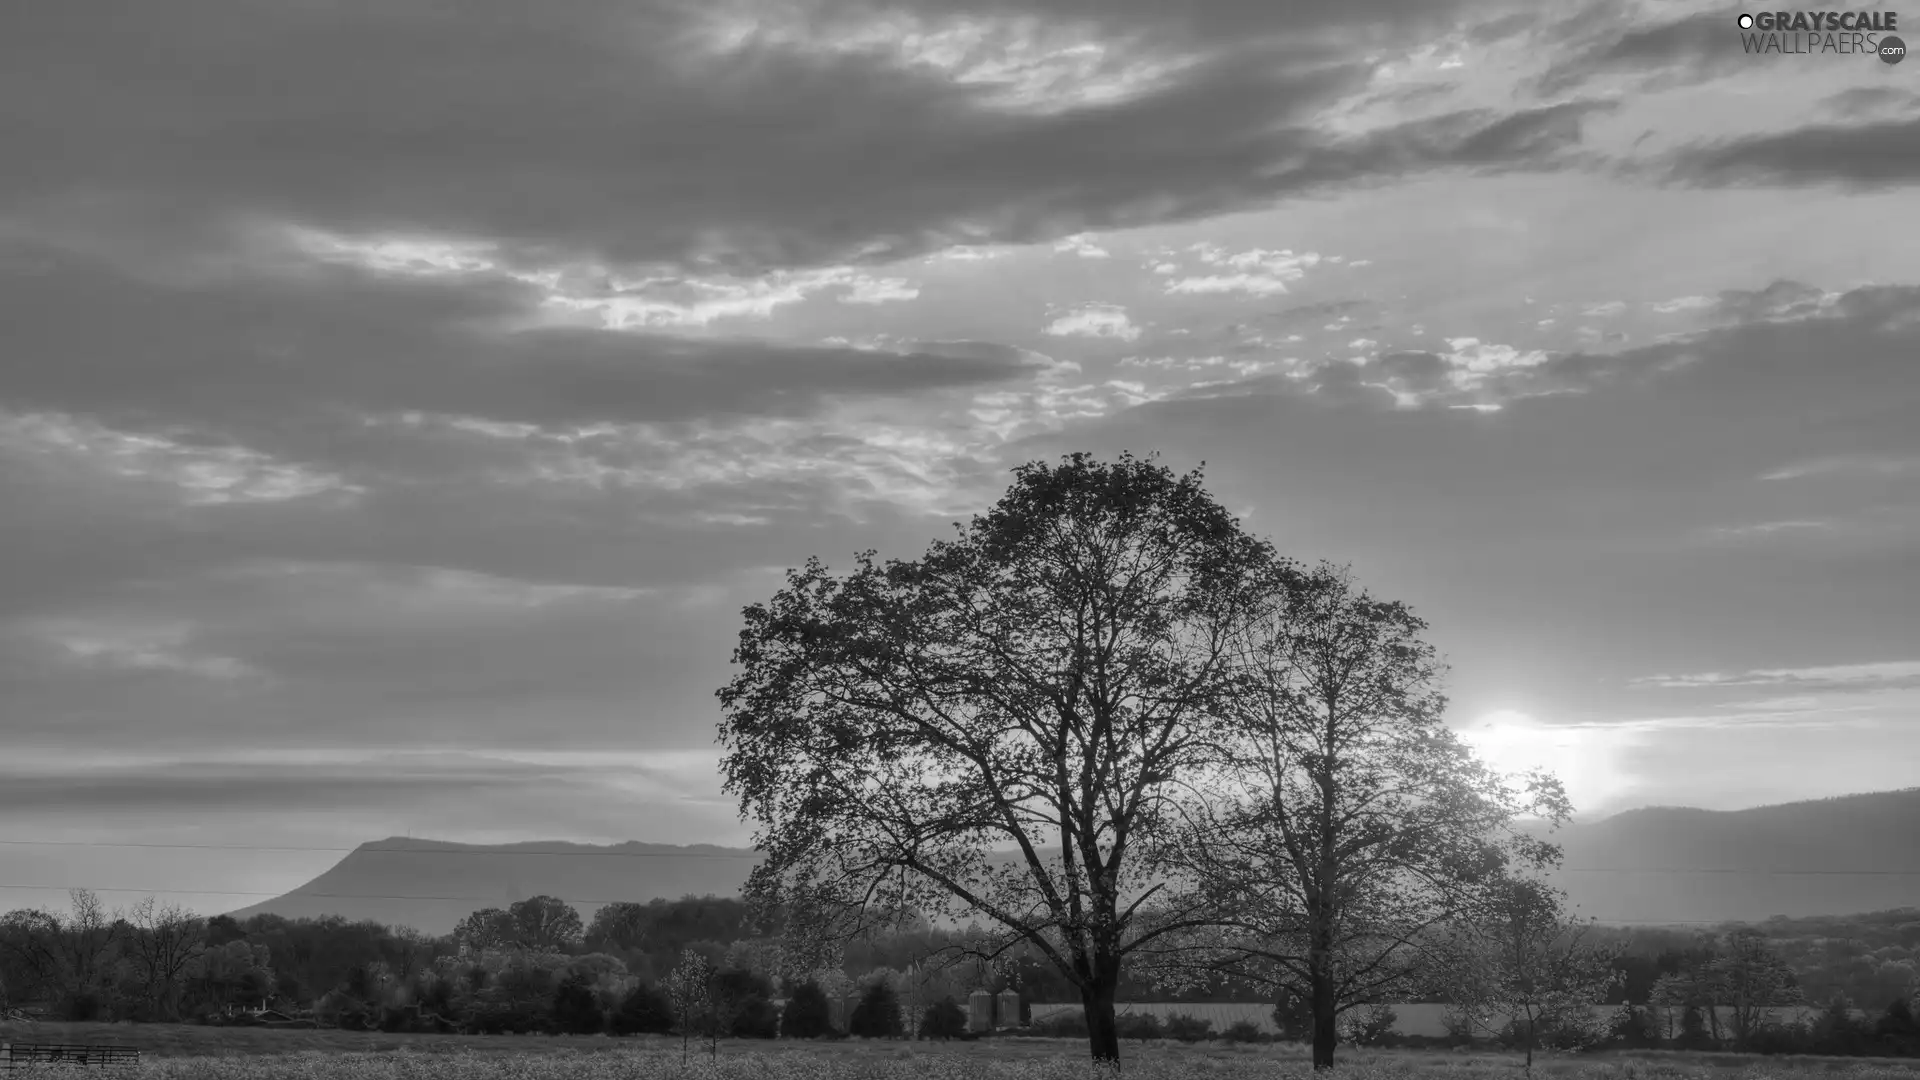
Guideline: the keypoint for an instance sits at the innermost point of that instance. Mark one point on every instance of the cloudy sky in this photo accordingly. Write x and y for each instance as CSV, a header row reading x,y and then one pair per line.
x,y
399,401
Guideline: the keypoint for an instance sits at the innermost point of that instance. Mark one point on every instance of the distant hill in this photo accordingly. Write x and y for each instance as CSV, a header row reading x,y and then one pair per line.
x,y
1654,865
1796,859
432,884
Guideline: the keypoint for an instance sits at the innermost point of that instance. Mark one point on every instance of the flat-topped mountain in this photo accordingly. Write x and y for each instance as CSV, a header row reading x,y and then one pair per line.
x,y
432,884
1658,864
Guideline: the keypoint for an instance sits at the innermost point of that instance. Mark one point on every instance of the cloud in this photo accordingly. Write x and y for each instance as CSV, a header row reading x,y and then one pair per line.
x,y
1257,272
1857,465
1691,49
1117,117
247,353
1081,246
1857,101
1879,154
1682,303
1884,674
1095,321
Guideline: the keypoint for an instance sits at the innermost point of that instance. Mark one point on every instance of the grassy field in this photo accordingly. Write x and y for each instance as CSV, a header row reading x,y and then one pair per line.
x,y
179,1052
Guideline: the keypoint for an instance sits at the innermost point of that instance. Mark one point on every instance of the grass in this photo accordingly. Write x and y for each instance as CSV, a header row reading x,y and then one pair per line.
x,y
183,1052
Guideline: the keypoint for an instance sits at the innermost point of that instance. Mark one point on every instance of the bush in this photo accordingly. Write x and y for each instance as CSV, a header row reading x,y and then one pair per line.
x,y
1367,1025
644,1011
877,1016
575,1009
1132,1025
1065,1024
754,1017
1293,1015
1189,1029
944,1019
1781,1039
808,1014
1243,1031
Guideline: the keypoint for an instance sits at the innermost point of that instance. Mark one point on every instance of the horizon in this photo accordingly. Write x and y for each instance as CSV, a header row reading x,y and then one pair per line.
x,y
382,456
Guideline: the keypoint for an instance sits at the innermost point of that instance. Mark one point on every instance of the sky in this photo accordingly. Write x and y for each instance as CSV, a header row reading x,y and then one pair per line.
x,y
399,402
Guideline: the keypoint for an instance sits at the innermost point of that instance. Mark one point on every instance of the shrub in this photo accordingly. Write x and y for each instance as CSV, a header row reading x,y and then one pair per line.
x,y
877,1016
1367,1025
754,1017
644,1011
808,1014
575,1010
944,1019
1189,1029
1132,1025
1243,1031
1294,1017
1781,1039
1065,1024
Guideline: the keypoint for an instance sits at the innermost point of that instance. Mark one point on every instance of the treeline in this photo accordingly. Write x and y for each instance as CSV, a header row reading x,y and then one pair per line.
x,y
1871,958
532,966
536,965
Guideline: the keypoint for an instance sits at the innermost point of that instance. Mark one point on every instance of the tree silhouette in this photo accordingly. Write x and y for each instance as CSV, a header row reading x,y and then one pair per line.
x,y
1341,819
1041,681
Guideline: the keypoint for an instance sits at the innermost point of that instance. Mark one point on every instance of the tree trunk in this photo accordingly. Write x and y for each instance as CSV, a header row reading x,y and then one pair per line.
x,y
1103,1032
1326,1031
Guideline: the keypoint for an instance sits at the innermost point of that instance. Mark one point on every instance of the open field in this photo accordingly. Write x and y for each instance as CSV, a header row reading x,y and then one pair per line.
x,y
181,1052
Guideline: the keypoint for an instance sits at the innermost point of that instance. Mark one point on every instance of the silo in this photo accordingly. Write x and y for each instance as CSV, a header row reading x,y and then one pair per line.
x,y
980,1011
1009,1008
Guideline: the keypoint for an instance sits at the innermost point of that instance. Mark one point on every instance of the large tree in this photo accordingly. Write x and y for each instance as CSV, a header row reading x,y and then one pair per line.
x,y
1341,820
994,730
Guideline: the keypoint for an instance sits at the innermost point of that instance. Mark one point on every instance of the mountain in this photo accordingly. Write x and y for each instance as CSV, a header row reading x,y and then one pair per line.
x,y
432,884
1678,864
1654,865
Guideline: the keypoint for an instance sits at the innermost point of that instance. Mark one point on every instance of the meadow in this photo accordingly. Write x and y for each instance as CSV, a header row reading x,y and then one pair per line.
x,y
183,1052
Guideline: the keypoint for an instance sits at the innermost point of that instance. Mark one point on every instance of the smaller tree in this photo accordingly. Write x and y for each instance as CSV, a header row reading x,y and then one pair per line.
x,y
1750,979
877,1016
808,1014
944,1019
1898,1030
1837,1031
544,923
1522,969
487,928
689,989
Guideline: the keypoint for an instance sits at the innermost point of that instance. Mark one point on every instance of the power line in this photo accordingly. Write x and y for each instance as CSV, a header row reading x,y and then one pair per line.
x,y
399,850
630,900
756,855
300,895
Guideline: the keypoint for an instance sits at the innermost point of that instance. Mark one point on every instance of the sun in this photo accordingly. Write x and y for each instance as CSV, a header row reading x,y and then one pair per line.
x,y
1513,743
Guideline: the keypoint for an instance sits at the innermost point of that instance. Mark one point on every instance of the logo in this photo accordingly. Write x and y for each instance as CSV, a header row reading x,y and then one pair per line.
x,y
1823,32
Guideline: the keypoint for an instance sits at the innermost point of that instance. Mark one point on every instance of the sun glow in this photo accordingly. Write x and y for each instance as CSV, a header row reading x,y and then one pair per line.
x,y
1584,758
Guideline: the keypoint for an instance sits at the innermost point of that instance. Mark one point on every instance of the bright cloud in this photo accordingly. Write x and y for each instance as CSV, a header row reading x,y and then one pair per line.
x,y
1095,321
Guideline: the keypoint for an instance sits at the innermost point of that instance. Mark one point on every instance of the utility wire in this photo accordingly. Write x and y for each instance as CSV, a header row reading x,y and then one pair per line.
x,y
403,850
756,855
